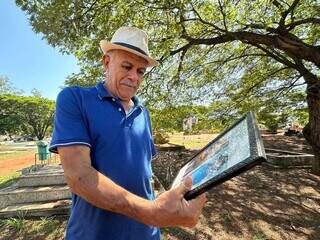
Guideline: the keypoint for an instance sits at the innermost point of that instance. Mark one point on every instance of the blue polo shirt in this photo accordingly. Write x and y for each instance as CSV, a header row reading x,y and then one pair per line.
x,y
121,148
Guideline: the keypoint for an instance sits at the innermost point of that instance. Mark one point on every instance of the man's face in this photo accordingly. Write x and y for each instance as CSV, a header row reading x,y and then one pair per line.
x,y
125,72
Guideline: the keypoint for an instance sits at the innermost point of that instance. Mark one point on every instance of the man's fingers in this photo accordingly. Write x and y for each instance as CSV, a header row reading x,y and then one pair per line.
x,y
200,200
203,199
188,183
185,186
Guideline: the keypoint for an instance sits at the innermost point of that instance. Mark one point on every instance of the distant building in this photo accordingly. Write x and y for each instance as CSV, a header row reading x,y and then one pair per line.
x,y
188,123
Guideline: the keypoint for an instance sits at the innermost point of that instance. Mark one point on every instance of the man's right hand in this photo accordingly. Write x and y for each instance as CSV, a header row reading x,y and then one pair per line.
x,y
171,209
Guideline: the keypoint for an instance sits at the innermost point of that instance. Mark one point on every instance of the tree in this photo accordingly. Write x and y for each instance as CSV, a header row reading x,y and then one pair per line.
x,y
171,118
38,115
6,86
273,112
25,115
10,121
206,47
36,93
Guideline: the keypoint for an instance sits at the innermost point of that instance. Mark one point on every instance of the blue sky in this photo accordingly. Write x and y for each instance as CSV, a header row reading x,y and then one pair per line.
x,y
27,60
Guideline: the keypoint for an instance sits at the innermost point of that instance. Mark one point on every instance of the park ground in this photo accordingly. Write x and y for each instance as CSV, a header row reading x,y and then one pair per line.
x,y
263,203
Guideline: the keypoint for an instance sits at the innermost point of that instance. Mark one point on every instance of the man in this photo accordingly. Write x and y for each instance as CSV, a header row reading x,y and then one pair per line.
x,y
103,135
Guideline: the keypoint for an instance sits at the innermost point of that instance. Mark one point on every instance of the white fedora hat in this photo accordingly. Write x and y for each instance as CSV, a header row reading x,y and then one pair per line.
x,y
130,39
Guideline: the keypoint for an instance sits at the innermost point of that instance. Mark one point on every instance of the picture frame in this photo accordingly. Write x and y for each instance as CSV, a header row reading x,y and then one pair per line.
x,y
235,150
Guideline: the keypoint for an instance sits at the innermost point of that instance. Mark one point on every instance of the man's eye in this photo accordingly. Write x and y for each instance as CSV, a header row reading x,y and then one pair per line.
x,y
126,67
141,72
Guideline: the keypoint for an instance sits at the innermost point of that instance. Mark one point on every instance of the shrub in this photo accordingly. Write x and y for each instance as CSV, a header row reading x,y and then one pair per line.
x,y
160,137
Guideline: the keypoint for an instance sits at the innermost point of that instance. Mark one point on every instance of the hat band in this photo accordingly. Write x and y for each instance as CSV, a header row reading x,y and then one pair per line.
x,y
131,47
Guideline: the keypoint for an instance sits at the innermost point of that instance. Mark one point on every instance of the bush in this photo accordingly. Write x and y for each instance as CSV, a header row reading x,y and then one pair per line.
x,y
160,137
272,127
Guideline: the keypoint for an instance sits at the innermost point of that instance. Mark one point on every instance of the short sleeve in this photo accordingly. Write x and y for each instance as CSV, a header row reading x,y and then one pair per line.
x,y
70,127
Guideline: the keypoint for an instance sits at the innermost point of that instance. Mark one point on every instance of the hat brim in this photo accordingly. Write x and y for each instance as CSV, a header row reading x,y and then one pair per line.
x,y
107,46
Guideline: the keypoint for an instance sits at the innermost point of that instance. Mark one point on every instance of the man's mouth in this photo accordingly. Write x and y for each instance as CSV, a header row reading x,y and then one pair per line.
x,y
128,83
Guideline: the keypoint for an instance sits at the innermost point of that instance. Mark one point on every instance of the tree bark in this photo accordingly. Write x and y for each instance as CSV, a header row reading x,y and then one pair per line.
x,y
290,44
316,164
313,99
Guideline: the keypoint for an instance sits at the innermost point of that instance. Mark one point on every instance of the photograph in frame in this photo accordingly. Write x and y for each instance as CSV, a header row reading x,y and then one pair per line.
x,y
234,151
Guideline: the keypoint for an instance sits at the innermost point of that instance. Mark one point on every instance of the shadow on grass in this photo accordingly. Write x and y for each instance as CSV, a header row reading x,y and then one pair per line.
x,y
267,202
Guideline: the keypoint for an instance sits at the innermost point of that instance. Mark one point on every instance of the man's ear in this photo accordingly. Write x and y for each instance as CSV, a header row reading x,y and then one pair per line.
x,y
105,60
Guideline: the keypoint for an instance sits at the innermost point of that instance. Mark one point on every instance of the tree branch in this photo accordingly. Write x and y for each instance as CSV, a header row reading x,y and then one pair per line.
x,y
285,14
231,58
277,4
206,22
285,89
260,26
245,95
223,15
183,48
88,10
310,78
292,25
292,47
177,76
276,56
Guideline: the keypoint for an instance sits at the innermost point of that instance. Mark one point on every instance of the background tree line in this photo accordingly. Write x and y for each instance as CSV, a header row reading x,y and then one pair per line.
x,y
24,115
33,115
171,118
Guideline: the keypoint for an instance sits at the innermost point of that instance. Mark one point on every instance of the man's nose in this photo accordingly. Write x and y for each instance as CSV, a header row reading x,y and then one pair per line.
x,y
134,76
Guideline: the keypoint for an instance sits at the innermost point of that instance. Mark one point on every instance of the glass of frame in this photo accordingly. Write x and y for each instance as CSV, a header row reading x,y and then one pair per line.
x,y
234,151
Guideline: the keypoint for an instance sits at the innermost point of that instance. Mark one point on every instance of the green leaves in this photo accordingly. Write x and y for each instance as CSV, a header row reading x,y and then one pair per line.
x,y
25,115
209,50
6,86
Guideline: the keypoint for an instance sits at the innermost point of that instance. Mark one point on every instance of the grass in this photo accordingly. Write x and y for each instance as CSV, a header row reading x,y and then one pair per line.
x,y
49,228
260,236
16,154
11,152
191,141
7,180
16,224
226,217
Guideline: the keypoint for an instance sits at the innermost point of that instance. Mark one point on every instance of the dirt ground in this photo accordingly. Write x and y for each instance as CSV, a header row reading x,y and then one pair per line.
x,y
13,164
263,203
292,143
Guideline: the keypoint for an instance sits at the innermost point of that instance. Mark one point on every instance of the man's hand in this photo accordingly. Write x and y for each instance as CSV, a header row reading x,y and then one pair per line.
x,y
171,209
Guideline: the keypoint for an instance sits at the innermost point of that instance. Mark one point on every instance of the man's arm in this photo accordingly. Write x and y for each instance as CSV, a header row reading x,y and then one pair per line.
x,y
169,209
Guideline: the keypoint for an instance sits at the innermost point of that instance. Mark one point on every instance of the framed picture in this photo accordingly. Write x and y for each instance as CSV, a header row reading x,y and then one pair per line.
x,y
235,150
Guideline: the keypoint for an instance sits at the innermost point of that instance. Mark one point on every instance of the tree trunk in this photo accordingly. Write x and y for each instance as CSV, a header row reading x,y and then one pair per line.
x,y
316,163
313,99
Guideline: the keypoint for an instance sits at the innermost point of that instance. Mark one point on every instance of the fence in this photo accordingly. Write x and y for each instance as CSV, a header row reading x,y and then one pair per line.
x,y
46,158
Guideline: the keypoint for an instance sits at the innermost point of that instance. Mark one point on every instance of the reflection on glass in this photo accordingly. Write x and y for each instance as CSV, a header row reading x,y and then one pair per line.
x,y
214,165
222,154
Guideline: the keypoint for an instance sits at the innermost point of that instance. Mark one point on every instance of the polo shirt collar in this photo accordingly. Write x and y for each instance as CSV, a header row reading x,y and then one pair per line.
x,y
104,93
